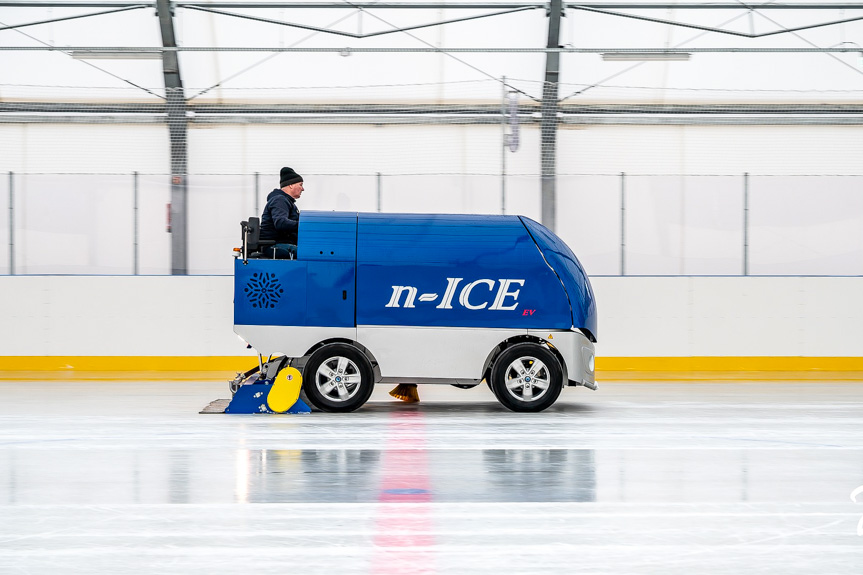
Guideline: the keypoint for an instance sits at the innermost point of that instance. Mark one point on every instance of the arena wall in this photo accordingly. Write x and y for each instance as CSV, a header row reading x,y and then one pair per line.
x,y
694,327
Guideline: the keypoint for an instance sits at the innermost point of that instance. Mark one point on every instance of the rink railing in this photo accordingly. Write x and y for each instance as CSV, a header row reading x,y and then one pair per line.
x,y
618,224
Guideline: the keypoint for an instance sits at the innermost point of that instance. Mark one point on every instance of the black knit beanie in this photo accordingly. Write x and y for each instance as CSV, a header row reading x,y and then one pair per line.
x,y
288,176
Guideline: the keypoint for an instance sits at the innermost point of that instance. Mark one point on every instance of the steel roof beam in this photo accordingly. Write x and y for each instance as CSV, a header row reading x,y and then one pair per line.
x,y
708,119
64,18
175,102
455,50
129,4
717,6
548,124
446,5
365,5
716,30
498,5
526,110
351,34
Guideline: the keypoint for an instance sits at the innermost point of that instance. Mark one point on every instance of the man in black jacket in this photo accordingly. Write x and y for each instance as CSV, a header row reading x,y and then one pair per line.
x,y
281,218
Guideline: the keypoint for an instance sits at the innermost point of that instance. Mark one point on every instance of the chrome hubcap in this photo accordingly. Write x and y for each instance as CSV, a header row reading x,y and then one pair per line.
x,y
527,379
338,379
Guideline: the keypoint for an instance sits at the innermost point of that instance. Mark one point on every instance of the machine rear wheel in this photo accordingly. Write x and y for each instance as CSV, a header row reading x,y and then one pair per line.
x,y
526,377
338,378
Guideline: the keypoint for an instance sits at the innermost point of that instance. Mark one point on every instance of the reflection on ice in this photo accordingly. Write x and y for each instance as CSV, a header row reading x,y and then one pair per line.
x,y
641,478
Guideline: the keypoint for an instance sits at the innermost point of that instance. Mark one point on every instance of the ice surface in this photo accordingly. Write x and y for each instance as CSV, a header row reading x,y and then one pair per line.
x,y
120,477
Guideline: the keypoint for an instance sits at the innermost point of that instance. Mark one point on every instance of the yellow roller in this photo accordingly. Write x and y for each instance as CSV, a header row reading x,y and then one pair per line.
x,y
286,390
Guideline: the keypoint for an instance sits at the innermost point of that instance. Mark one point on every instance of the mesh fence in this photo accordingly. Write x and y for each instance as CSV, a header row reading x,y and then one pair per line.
x,y
623,224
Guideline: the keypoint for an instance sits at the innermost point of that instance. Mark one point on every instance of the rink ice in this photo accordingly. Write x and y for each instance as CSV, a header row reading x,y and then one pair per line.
x,y
121,477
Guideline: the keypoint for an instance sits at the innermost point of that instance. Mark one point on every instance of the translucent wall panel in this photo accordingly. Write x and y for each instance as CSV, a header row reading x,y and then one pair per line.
x,y
653,216
712,225
341,193
73,224
216,206
683,225
82,148
352,149
523,196
588,220
154,241
674,225
806,225
4,224
447,194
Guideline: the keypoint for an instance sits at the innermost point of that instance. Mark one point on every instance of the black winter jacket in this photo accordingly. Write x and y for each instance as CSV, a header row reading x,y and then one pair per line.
x,y
281,218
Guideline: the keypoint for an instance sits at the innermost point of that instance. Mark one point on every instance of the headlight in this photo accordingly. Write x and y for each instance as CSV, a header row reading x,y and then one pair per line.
x,y
587,356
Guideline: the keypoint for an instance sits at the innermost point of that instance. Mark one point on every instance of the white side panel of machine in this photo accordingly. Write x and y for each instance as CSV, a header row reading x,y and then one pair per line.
x,y
432,352
292,341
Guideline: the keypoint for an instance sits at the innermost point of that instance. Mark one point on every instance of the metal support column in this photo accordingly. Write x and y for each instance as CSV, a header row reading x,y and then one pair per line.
x,y
746,223
622,223
11,224
177,128
548,127
135,223
503,145
257,193
379,184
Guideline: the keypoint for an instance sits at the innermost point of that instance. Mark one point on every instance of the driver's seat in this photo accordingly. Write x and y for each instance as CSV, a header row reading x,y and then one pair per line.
x,y
252,242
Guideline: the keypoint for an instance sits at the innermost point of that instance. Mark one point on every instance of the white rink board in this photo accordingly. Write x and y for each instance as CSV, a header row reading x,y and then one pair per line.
x,y
638,316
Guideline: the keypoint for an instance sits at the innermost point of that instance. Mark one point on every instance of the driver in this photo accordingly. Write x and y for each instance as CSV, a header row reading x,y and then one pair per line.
x,y
281,218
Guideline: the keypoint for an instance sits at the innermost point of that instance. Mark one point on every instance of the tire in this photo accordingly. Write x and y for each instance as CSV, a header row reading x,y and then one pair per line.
x,y
526,377
337,378
491,387
306,399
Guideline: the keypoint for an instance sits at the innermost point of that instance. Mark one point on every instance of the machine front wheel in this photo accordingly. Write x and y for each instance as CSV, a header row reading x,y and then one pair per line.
x,y
526,377
338,378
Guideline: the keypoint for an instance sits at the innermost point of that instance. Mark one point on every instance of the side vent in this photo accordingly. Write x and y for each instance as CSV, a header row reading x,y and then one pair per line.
x,y
264,290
